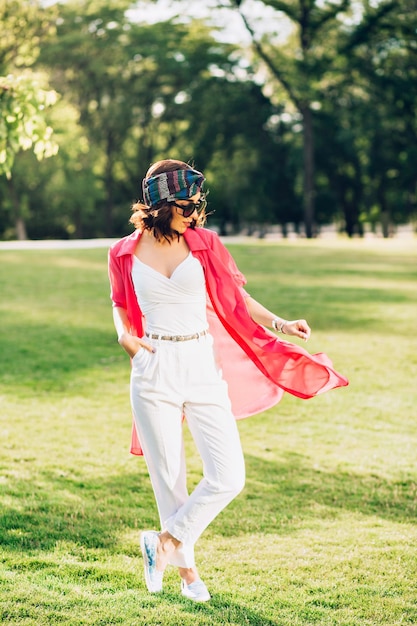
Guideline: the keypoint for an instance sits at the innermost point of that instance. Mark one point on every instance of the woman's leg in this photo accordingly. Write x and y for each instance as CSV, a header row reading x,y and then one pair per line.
x,y
213,427
159,423
187,381
216,436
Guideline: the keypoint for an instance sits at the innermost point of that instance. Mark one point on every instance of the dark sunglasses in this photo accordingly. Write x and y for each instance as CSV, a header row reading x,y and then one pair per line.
x,y
189,208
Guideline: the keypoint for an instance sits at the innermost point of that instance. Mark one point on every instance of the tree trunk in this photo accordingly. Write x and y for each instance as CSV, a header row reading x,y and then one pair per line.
x,y
385,223
308,174
19,221
385,212
109,187
349,201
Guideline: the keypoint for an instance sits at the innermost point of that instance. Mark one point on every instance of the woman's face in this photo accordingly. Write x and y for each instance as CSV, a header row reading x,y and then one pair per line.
x,y
179,223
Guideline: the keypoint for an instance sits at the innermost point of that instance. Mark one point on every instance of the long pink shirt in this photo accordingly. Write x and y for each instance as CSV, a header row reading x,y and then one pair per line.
x,y
257,366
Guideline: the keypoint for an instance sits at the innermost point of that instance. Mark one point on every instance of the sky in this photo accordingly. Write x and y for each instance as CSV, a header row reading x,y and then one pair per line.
x,y
262,18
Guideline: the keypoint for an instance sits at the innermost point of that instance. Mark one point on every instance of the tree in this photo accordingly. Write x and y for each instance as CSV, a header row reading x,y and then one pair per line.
x,y
24,24
89,61
23,95
23,127
383,60
127,81
246,150
300,72
60,196
141,91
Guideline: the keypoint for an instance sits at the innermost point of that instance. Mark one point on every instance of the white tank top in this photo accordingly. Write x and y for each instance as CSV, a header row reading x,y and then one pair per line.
x,y
175,305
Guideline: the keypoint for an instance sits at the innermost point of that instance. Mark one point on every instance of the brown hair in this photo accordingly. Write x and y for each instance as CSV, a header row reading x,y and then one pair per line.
x,y
157,217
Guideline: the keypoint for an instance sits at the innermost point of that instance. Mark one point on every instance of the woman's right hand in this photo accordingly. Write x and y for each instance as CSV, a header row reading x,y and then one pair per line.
x,y
132,344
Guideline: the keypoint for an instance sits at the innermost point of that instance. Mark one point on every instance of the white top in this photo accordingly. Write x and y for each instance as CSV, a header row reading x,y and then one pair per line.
x,y
175,305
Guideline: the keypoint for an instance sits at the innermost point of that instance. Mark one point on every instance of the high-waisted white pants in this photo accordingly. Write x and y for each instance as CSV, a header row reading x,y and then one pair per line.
x,y
181,378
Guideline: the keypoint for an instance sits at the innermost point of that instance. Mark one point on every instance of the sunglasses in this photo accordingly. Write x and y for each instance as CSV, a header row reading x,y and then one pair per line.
x,y
188,209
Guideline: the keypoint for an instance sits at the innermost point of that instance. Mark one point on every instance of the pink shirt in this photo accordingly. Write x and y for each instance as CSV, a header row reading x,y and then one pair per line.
x,y
257,366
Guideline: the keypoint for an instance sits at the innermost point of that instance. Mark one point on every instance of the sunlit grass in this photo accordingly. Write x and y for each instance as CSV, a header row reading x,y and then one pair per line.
x,y
324,532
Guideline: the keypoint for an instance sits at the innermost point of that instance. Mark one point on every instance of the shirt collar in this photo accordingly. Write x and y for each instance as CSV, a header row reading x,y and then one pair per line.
x,y
194,239
128,244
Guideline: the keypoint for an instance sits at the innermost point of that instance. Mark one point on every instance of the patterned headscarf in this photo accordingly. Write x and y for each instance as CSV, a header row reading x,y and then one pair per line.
x,y
180,184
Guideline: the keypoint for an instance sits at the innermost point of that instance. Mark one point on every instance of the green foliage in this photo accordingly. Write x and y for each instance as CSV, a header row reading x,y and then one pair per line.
x,y
367,122
23,99
324,531
60,195
131,92
124,78
23,26
23,125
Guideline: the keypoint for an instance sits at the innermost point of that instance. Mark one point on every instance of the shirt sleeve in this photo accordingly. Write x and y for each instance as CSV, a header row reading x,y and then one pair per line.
x,y
117,287
227,259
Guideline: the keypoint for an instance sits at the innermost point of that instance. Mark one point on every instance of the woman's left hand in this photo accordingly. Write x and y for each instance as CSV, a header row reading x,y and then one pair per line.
x,y
297,328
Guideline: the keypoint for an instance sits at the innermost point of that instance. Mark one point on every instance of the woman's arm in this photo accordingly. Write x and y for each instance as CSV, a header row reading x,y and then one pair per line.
x,y
130,343
261,315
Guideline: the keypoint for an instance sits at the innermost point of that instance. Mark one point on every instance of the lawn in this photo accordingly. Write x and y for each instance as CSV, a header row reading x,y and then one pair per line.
x,y
325,531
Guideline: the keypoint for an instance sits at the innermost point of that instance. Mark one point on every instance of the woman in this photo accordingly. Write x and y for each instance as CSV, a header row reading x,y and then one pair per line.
x,y
201,351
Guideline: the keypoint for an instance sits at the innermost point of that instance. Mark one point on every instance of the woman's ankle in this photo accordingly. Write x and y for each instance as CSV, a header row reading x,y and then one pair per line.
x,y
189,574
166,546
167,542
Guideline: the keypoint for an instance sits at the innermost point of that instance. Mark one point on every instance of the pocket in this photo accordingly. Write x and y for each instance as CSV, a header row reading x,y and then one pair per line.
x,y
137,354
144,363
141,358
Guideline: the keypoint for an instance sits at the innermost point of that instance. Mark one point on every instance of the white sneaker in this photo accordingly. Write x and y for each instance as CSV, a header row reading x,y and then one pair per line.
x,y
196,591
148,545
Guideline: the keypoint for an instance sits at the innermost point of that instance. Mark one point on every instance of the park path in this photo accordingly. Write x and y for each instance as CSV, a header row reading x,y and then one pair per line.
x,y
56,244
71,244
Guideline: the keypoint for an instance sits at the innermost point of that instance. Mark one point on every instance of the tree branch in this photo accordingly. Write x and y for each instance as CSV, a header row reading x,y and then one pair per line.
x,y
368,26
279,75
330,13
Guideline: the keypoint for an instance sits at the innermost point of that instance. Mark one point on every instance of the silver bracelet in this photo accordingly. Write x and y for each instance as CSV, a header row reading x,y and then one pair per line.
x,y
278,329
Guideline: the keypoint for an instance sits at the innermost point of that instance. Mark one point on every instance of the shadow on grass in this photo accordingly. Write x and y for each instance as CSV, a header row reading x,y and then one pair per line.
x,y
90,519
279,497
220,610
48,357
89,513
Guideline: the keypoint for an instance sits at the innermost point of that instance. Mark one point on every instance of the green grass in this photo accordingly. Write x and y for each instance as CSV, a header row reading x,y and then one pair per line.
x,y
325,531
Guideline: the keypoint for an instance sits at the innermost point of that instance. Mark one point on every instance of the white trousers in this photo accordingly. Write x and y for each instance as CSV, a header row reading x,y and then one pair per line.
x,y
182,378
